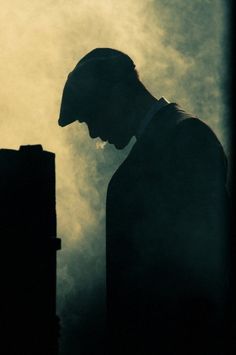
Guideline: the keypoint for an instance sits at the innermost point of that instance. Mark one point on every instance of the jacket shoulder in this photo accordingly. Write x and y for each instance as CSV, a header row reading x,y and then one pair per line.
x,y
196,145
192,131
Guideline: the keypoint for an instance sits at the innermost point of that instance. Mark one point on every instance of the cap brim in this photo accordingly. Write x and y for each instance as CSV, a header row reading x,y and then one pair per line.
x,y
68,110
64,121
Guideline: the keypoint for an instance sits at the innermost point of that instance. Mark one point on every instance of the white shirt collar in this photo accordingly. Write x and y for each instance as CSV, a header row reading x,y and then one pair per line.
x,y
150,114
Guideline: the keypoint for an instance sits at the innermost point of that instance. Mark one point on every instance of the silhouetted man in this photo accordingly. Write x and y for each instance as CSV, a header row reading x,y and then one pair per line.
x,y
167,248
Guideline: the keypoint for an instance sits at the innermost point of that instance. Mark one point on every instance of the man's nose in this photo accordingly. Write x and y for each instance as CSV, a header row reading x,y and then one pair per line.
x,y
92,132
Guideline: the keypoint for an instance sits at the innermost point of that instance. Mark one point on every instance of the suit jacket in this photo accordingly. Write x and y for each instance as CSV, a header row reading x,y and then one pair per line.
x,y
167,240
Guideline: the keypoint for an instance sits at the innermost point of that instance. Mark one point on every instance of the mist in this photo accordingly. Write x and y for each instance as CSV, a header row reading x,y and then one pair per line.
x,y
179,48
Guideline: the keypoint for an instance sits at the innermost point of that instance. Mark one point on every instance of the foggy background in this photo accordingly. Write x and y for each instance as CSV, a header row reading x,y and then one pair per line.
x,y
179,47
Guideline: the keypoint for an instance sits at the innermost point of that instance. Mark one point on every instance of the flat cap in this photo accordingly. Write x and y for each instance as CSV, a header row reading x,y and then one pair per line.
x,y
92,76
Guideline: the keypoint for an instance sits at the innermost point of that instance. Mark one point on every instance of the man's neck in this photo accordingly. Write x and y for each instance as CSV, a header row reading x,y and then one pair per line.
x,y
142,104
152,111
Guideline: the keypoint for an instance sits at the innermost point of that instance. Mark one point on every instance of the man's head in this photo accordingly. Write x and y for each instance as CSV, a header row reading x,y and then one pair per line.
x,y
100,91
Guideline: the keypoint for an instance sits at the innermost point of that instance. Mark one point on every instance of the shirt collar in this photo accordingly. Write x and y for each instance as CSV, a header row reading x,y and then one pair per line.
x,y
150,114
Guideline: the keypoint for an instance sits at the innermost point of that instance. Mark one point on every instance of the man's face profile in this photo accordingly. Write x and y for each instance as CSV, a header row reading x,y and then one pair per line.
x,y
109,121
102,128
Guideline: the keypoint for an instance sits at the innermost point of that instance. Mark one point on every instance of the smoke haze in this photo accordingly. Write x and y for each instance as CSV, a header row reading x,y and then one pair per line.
x,y
179,49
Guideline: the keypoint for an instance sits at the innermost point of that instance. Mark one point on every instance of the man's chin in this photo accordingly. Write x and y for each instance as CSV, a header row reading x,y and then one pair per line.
x,y
119,145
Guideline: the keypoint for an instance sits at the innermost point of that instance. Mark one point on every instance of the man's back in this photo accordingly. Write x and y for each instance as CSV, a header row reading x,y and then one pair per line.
x,y
167,248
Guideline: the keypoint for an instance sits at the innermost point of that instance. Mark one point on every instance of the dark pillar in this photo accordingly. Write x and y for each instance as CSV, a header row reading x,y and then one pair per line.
x,y
28,321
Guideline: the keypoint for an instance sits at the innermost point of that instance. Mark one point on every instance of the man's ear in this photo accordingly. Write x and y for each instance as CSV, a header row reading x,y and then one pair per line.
x,y
121,90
